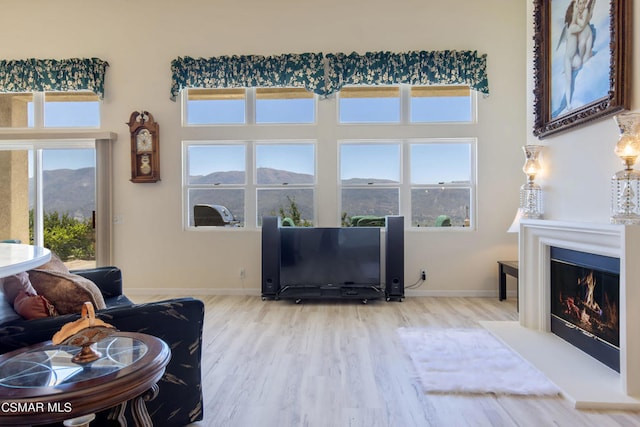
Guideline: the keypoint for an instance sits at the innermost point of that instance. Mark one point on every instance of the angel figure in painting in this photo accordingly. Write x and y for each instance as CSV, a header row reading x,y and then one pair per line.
x,y
578,34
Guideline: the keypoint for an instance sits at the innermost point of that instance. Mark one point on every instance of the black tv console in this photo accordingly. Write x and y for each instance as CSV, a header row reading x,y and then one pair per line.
x,y
362,293
275,273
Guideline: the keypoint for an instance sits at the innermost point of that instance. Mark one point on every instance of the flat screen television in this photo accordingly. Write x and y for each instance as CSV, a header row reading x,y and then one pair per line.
x,y
329,257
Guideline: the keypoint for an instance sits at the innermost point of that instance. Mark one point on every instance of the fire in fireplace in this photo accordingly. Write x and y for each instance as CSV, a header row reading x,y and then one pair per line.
x,y
585,301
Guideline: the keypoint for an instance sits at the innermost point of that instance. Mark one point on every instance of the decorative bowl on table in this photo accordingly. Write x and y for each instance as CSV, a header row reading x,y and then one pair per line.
x,y
83,333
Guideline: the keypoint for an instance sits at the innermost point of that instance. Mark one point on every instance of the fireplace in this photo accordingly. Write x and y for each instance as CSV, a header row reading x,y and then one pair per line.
x,y
585,301
587,382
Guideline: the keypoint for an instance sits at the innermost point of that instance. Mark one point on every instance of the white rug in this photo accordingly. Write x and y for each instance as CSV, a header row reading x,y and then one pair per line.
x,y
470,361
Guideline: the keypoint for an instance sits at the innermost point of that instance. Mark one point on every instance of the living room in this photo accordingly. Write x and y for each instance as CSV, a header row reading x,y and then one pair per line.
x,y
158,255
139,77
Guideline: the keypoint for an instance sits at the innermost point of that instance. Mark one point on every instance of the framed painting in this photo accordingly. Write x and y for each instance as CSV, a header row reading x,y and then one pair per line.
x,y
581,62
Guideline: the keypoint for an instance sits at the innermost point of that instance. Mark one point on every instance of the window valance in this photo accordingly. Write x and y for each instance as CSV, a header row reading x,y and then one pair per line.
x,y
36,75
291,70
325,74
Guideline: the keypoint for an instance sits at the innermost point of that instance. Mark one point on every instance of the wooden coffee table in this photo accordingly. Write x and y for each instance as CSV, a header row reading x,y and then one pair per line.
x,y
40,384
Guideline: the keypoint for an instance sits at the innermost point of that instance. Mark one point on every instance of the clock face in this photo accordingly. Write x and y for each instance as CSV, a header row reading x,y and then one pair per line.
x,y
144,141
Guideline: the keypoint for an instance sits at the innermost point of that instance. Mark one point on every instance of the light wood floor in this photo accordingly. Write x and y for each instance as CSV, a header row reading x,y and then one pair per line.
x,y
334,364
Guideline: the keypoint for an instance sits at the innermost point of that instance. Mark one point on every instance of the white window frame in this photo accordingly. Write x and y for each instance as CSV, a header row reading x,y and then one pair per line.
x,y
286,186
249,113
38,99
186,186
405,186
405,112
251,186
472,186
102,143
327,132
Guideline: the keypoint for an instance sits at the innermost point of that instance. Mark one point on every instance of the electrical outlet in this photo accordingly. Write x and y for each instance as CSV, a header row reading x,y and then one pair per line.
x,y
423,274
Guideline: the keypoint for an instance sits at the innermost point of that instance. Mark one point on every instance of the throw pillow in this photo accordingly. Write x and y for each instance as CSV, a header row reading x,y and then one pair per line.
x,y
66,291
54,264
31,306
15,284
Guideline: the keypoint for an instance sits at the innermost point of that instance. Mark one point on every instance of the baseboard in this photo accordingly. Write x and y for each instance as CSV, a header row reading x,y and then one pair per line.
x,y
257,292
192,291
452,293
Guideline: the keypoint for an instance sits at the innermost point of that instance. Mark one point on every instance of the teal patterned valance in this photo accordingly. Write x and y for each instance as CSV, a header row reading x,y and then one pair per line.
x,y
290,70
65,75
326,74
414,68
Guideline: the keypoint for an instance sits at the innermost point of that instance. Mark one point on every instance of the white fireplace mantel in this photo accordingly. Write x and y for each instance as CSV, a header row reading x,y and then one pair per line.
x,y
536,239
598,386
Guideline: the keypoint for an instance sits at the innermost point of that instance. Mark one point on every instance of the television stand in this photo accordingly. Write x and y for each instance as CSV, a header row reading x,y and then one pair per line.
x,y
361,292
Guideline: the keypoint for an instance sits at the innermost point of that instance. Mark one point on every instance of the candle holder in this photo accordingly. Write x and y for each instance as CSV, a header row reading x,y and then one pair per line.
x,y
625,184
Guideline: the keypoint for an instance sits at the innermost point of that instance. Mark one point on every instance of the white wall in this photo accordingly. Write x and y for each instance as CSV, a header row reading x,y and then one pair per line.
x,y
580,162
139,39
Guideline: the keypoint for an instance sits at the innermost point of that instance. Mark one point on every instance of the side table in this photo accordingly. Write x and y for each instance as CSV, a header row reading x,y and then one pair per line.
x,y
506,268
40,384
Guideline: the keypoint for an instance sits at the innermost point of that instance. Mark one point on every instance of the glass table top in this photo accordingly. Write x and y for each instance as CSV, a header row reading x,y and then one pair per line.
x,y
51,365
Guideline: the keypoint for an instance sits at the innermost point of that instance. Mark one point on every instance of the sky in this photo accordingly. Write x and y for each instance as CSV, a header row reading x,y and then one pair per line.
x,y
68,114
76,158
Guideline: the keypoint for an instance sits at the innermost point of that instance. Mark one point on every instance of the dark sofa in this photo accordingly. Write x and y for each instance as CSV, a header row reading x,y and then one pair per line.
x,y
177,321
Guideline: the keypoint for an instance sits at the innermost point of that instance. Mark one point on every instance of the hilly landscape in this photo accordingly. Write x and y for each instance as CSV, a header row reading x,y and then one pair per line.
x,y
73,192
69,191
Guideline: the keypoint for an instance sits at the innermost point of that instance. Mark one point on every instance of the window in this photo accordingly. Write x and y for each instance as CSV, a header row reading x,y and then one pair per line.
x,y
285,179
46,165
71,109
215,106
405,104
367,151
435,186
282,178
68,185
284,105
76,221
50,110
216,176
439,104
58,198
370,177
251,105
441,183
380,104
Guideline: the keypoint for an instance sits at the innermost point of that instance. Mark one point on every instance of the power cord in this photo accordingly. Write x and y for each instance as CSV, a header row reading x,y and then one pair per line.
x,y
416,284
